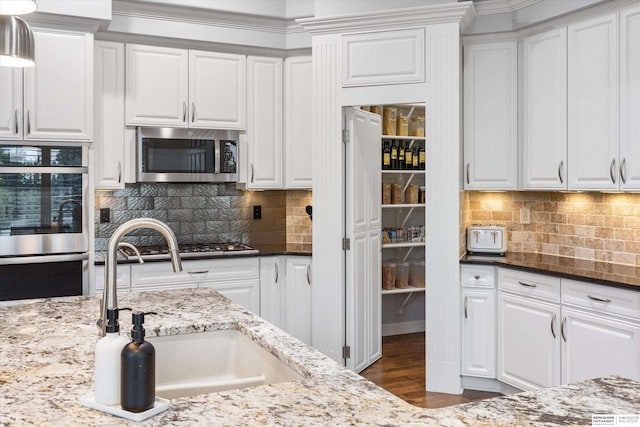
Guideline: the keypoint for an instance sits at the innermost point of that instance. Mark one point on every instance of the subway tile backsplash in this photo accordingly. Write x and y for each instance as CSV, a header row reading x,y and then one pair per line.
x,y
203,213
594,226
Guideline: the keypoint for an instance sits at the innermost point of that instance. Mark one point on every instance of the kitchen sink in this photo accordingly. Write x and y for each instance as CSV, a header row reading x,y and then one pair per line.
x,y
207,362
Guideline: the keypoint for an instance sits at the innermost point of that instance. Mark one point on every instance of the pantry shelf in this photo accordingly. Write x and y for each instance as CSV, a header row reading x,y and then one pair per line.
x,y
403,172
403,206
404,138
410,289
403,245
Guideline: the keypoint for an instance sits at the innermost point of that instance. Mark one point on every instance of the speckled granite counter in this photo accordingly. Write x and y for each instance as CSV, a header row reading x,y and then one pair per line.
x,y
604,273
46,365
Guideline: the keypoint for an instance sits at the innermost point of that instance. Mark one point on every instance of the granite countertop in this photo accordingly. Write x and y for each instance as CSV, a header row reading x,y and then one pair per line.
x,y
600,272
46,365
299,249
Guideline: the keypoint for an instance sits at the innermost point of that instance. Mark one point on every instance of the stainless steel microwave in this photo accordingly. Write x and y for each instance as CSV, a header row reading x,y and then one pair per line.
x,y
187,155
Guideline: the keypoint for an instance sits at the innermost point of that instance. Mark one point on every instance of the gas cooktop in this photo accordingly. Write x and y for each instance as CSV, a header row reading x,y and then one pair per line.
x,y
191,250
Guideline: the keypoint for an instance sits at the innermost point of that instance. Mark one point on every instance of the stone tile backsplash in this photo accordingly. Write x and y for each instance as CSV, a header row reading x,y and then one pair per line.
x,y
594,226
202,213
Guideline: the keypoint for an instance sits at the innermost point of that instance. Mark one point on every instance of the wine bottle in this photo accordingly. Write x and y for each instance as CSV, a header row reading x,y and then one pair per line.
x,y
386,156
416,158
422,158
394,155
408,157
401,155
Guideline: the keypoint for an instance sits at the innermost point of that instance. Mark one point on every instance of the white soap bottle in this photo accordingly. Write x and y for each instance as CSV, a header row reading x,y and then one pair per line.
x,y
107,361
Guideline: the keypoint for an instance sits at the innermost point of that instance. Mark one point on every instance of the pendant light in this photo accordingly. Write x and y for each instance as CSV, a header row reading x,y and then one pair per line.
x,y
17,7
16,42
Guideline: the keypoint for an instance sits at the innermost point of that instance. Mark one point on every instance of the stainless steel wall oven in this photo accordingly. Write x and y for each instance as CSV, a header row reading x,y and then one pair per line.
x,y
43,220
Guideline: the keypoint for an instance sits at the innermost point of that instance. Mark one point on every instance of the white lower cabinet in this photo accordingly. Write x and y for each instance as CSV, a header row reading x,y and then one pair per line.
x,y
479,333
123,282
243,292
554,331
598,346
285,294
528,342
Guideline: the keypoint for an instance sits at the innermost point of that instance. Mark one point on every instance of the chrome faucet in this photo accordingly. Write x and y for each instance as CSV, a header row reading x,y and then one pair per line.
x,y
109,297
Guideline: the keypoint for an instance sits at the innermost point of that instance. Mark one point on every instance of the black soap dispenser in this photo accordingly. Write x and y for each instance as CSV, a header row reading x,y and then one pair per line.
x,y
138,369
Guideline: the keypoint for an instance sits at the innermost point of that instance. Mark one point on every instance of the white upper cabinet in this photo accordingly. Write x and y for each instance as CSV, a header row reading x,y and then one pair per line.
x,y
490,116
630,98
544,111
216,90
10,103
297,122
264,124
184,88
156,85
52,101
593,104
109,117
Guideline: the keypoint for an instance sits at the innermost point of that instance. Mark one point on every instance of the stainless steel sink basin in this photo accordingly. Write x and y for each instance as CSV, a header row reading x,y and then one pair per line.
x,y
208,362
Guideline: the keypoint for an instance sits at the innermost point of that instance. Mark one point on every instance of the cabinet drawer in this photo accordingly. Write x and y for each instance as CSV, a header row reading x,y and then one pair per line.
x,y
195,271
529,284
478,276
603,299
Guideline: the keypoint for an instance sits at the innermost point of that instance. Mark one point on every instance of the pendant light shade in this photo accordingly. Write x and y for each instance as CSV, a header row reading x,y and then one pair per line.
x,y
17,7
16,42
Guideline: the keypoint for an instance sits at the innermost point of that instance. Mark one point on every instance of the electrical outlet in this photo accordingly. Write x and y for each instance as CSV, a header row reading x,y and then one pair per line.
x,y
257,212
525,216
105,215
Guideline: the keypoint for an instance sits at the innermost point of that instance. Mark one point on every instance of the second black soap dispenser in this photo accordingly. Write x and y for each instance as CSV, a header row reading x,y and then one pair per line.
x,y
138,369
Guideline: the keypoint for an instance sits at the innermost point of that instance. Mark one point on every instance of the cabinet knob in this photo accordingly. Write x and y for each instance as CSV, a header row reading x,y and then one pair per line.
x,y
477,277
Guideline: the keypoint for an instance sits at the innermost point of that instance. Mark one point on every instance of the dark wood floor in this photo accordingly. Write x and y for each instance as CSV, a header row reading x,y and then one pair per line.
x,y
401,371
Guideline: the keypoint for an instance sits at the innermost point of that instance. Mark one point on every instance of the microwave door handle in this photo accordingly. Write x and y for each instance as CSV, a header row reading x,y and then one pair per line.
x,y
216,157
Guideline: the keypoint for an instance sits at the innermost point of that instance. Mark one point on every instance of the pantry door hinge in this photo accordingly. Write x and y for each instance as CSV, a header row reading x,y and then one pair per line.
x,y
346,136
346,352
346,244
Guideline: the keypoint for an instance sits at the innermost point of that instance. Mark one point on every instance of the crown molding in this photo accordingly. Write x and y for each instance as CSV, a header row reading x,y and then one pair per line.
x,y
62,22
462,13
489,7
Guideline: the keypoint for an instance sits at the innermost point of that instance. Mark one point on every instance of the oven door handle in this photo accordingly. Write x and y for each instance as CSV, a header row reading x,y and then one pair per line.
x,y
38,259
45,169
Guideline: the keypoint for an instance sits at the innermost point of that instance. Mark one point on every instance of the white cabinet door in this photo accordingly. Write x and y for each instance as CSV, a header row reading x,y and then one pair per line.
x,y
593,104
109,115
298,300
157,86
490,119
544,113
630,98
58,91
297,124
595,346
479,333
363,225
273,291
216,90
528,342
123,280
10,103
242,292
264,122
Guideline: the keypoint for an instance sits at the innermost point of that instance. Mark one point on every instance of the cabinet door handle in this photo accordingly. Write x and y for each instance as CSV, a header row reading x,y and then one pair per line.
x,y
528,285
197,271
28,122
466,301
17,117
468,174
612,167
477,277
309,274
553,329
560,168
275,265
119,172
251,173
184,111
193,112
591,297
562,326
623,167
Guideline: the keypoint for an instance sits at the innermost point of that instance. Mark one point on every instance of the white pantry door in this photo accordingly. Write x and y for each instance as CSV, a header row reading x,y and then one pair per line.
x,y
362,228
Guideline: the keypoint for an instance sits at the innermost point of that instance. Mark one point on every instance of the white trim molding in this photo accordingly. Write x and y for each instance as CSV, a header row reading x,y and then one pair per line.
x,y
489,7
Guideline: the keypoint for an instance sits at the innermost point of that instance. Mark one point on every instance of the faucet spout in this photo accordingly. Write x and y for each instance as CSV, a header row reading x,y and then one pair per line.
x,y
110,295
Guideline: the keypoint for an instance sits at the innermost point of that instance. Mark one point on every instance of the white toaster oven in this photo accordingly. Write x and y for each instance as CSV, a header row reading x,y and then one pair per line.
x,y
486,239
